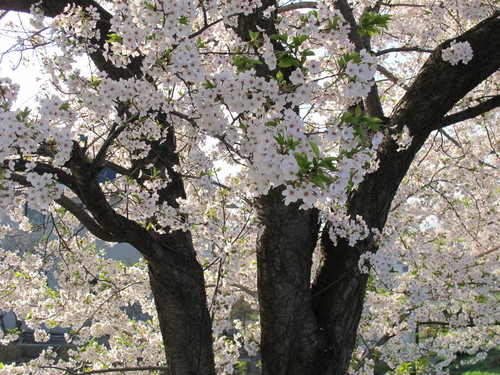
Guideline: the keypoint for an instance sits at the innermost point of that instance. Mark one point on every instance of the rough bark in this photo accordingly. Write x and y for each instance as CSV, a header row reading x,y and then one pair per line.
x,y
324,340
179,291
176,277
305,329
338,291
289,331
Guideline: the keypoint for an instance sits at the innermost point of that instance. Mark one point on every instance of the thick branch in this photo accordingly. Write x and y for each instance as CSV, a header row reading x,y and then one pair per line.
x,y
372,102
41,168
290,341
51,8
382,70
301,5
402,49
115,131
339,287
88,189
85,219
75,209
440,85
119,169
469,113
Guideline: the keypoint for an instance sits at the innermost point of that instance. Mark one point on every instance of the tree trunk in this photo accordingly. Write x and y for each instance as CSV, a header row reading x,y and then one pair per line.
x,y
338,296
178,287
289,336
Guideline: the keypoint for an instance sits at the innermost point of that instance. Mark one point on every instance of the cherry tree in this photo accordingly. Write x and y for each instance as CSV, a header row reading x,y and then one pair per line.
x,y
356,138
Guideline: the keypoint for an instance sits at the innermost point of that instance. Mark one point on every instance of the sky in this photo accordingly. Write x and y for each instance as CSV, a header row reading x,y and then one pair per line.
x,y
20,68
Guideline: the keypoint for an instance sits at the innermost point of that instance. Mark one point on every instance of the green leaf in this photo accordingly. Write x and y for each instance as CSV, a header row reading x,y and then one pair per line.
x,y
302,160
200,43
291,144
346,57
114,38
328,163
315,149
95,82
320,179
333,24
64,106
281,141
254,38
183,20
307,52
22,115
281,37
298,40
357,112
316,180
209,85
244,63
348,118
285,60
279,76
373,123
373,23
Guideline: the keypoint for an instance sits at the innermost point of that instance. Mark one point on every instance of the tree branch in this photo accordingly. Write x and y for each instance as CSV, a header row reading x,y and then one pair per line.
x,y
51,8
440,85
41,168
469,113
403,49
453,140
386,73
403,5
301,5
85,219
113,134
119,169
88,189
372,102
73,207
371,351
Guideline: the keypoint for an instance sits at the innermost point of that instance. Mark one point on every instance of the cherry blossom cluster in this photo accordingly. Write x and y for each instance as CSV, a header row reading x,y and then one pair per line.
x,y
295,128
432,274
43,190
343,226
456,52
8,93
403,139
103,286
360,75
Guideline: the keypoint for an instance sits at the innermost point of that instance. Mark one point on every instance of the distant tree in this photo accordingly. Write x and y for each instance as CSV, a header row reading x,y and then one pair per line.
x,y
354,137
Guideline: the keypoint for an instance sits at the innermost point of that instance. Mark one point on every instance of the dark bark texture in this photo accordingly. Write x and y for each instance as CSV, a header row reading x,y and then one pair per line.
x,y
284,257
176,277
179,291
307,328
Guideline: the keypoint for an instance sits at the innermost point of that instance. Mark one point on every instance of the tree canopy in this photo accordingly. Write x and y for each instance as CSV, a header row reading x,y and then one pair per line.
x,y
313,182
